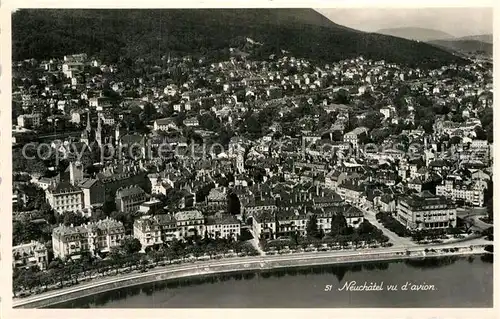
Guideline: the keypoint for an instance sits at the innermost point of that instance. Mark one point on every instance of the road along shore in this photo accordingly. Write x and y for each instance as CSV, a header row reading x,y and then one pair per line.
x,y
237,264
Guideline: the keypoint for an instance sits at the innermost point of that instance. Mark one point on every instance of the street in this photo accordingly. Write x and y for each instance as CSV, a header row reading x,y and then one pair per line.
x,y
255,243
393,238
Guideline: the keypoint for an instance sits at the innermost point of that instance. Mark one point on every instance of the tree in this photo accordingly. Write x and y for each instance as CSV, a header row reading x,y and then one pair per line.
x,y
342,97
97,215
26,278
131,245
197,250
72,218
442,109
457,118
455,140
372,120
337,136
148,113
379,135
117,257
312,227
339,224
326,120
179,119
368,99
108,207
17,280
295,238
57,265
32,163
47,278
191,135
209,121
157,256
489,209
172,197
424,101
233,205
355,239
366,228
486,119
74,269
253,126
24,232
427,125
480,133
488,200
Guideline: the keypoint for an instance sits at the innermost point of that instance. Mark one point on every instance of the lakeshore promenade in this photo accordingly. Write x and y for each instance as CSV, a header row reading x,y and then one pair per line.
x,y
237,264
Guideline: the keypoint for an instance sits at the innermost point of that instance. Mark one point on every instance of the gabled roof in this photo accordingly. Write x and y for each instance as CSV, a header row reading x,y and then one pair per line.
x,y
222,220
87,183
423,170
439,163
63,187
128,191
132,139
165,121
386,198
416,180
352,212
264,216
188,215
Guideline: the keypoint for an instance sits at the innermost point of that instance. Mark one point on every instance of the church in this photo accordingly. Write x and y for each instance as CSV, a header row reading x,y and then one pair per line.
x,y
89,136
102,139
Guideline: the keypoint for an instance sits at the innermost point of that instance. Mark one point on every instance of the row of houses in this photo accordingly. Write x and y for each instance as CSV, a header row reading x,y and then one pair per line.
x,y
98,238
275,223
66,197
419,211
154,230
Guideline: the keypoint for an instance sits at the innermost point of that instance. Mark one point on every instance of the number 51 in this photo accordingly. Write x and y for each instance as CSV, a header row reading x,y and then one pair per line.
x,y
328,288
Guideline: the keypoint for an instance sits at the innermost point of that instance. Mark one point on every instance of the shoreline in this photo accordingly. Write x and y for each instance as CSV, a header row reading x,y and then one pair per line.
x,y
231,265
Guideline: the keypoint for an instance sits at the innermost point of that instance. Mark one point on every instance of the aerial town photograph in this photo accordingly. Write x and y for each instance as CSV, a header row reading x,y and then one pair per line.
x,y
252,158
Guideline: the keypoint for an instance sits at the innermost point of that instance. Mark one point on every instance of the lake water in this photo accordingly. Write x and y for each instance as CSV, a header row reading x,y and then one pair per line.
x,y
450,282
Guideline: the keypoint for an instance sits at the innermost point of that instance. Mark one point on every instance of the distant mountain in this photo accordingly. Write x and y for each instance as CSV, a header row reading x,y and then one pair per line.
x,y
418,34
465,46
152,33
486,38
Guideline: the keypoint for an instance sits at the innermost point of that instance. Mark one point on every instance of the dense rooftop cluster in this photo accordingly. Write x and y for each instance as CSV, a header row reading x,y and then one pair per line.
x,y
280,147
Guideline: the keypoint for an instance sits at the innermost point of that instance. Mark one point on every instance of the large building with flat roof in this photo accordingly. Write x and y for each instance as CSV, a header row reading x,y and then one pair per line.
x,y
426,211
65,197
223,226
353,136
129,199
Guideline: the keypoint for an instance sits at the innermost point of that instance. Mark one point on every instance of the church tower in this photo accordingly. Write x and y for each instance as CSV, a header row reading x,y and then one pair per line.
x,y
340,158
75,173
85,136
117,134
88,129
98,133
240,164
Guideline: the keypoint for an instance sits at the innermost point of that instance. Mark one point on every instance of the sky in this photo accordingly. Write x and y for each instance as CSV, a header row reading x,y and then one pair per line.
x,y
455,21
